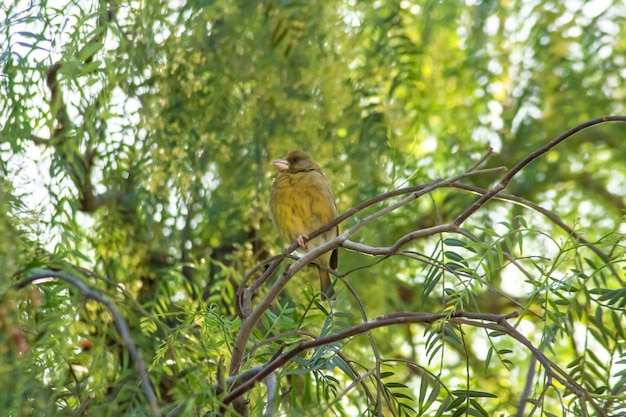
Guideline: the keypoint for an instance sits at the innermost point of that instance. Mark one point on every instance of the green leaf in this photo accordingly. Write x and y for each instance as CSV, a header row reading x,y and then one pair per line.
x,y
454,242
456,403
473,394
488,358
522,221
453,255
395,385
89,51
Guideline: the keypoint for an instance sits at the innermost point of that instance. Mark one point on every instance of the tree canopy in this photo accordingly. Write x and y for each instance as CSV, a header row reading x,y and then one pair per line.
x,y
476,153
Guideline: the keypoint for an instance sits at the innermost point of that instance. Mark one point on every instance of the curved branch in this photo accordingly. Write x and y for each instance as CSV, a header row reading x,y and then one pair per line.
x,y
118,321
494,322
528,159
550,216
476,319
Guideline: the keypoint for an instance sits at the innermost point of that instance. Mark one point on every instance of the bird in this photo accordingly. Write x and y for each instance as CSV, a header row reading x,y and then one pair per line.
x,y
301,202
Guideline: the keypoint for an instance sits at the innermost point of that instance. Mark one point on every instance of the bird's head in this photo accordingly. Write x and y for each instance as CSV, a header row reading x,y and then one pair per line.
x,y
296,161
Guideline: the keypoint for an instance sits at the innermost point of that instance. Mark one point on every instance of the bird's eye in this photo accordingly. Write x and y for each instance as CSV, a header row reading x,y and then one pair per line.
x,y
295,159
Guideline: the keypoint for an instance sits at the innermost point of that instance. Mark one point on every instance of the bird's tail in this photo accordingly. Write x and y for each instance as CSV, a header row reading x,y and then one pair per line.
x,y
325,284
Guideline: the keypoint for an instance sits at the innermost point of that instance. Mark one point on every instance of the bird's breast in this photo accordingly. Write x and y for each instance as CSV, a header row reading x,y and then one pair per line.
x,y
301,203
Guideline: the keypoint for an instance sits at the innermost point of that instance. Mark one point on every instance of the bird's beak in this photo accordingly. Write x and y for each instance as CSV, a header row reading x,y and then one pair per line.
x,y
281,164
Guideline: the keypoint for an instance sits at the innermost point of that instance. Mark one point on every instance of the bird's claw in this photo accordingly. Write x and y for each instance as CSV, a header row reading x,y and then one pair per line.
x,y
302,241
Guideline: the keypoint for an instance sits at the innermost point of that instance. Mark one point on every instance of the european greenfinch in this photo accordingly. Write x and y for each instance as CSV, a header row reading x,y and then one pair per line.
x,y
301,202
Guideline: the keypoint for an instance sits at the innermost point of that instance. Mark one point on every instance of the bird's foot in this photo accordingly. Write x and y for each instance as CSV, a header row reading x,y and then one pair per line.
x,y
302,241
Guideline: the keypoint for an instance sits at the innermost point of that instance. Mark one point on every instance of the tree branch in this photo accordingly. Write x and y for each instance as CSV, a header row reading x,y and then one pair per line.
x,y
494,322
550,216
78,165
118,320
528,159
475,319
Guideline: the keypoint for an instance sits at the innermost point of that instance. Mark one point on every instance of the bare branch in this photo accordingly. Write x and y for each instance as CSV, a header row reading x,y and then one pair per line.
x,y
360,379
489,321
552,370
549,215
476,319
528,159
481,161
271,385
36,274
38,140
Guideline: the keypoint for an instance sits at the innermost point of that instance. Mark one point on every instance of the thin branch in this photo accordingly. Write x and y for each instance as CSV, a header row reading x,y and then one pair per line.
x,y
236,380
118,321
552,370
528,159
272,386
481,161
360,379
474,319
38,140
373,344
550,216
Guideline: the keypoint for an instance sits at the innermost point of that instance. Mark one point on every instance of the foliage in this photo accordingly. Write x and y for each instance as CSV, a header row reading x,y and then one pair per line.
x,y
134,177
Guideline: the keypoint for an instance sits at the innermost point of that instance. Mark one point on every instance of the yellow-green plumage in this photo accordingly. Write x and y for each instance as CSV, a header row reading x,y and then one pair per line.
x,y
301,202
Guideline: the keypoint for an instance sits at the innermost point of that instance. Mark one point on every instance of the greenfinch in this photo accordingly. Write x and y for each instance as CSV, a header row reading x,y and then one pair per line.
x,y
301,202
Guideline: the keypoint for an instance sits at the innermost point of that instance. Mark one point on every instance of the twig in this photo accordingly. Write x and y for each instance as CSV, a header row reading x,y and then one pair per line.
x,y
548,214
528,159
118,321
374,346
474,319
552,370
360,379
272,386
